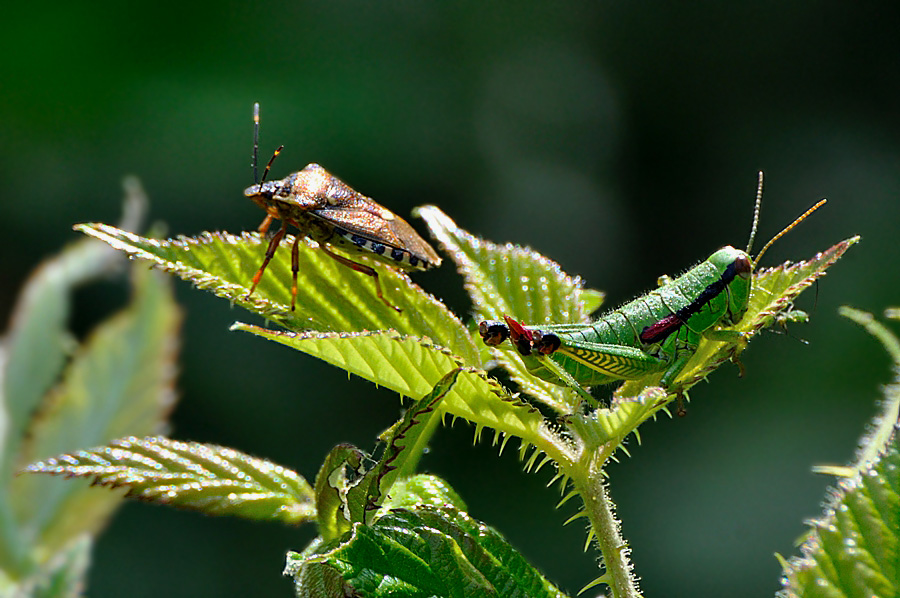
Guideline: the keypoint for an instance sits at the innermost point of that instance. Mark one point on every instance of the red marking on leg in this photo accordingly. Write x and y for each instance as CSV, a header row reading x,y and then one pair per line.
x,y
516,330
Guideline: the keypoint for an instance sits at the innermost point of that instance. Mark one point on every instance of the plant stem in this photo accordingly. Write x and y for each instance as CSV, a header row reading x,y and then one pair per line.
x,y
599,510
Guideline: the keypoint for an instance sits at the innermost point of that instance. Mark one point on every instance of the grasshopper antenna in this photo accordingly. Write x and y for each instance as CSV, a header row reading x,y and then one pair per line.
x,y
256,179
799,219
759,191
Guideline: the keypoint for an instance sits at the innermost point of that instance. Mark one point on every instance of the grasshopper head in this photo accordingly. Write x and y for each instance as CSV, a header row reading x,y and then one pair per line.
x,y
736,270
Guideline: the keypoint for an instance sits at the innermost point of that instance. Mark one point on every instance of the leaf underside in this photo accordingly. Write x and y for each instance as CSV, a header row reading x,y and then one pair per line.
x,y
190,475
412,366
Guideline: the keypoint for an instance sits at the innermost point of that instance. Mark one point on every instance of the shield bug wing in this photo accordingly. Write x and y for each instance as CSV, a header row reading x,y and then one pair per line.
x,y
390,238
368,225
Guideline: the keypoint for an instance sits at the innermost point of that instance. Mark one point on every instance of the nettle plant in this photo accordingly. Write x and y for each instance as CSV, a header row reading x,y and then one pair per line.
x,y
383,528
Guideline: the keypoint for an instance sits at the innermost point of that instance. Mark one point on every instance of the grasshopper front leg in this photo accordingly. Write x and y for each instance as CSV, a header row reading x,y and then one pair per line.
x,y
734,337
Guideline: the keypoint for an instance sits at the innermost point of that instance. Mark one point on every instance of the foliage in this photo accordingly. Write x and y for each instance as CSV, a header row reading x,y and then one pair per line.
x,y
383,529
58,393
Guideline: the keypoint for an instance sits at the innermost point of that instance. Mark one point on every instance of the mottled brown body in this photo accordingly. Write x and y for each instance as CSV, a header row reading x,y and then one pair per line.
x,y
324,208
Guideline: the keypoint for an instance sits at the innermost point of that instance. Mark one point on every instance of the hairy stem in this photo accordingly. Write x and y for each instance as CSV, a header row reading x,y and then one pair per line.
x,y
605,527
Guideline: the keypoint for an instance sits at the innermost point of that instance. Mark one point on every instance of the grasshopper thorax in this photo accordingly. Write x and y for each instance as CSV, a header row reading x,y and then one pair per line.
x,y
735,268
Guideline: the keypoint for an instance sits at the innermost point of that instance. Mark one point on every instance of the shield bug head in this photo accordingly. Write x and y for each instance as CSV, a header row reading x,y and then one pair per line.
x,y
325,209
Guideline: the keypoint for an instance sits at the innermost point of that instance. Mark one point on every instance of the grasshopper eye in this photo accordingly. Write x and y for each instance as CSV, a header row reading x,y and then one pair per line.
x,y
493,333
743,267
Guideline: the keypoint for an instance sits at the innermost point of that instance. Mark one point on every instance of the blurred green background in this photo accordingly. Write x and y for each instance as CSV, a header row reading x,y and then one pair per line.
x,y
621,139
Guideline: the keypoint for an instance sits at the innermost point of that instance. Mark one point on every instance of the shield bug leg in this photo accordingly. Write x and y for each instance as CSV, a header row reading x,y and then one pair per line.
x,y
295,268
270,251
263,227
367,270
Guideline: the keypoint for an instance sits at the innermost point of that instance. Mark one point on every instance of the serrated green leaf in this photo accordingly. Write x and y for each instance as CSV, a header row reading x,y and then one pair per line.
x,y
37,344
412,366
404,446
331,296
430,552
63,575
423,489
882,428
508,279
202,477
516,281
316,580
608,427
591,300
852,550
118,383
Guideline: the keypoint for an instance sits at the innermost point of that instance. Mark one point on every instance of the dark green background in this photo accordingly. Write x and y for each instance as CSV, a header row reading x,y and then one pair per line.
x,y
621,139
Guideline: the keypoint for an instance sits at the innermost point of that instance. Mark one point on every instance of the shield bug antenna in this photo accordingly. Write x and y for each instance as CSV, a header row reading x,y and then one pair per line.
x,y
263,228
325,209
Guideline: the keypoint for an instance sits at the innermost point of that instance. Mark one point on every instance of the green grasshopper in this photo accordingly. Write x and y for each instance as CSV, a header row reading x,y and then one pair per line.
x,y
327,210
658,332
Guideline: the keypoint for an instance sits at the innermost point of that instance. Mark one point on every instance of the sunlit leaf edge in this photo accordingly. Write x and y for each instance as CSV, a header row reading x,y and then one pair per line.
x,y
209,478
331,296
411,366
